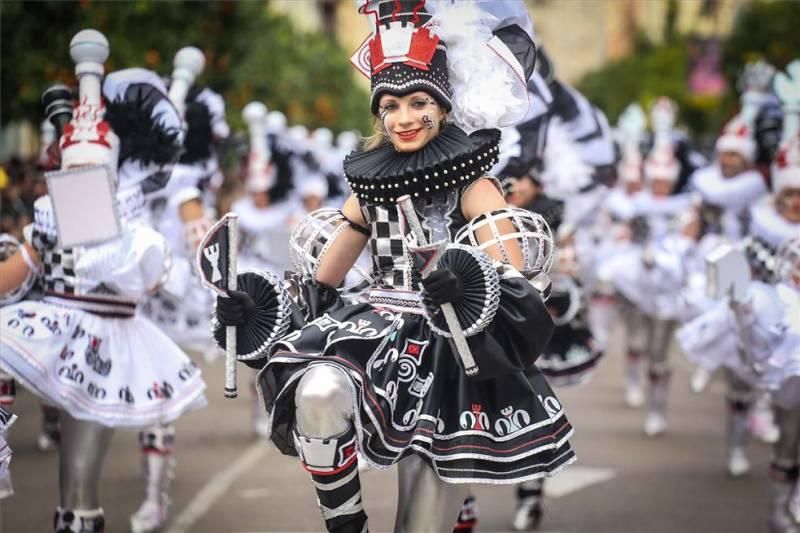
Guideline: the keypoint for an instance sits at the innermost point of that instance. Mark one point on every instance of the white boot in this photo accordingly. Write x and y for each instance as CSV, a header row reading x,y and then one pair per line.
x,y
762,422
158,469
634,393
737,436
701,377
780,519
656,422
738,464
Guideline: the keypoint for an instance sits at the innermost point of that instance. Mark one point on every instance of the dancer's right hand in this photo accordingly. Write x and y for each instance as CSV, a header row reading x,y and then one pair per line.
x,y
236,310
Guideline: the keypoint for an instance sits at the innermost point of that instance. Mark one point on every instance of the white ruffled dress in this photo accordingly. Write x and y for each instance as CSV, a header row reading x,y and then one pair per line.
x,y
182,308
84,347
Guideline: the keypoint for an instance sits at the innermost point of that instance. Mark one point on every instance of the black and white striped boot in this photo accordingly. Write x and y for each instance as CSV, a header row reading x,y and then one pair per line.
x,y
333,465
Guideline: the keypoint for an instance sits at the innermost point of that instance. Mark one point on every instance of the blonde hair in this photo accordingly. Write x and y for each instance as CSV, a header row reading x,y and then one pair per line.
x,y
378,136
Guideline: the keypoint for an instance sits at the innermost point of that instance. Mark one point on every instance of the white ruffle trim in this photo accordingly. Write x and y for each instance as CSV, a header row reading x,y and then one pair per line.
x,y
115,372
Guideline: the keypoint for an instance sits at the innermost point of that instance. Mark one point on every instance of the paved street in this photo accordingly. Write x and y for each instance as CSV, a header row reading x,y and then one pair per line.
x,y
623,481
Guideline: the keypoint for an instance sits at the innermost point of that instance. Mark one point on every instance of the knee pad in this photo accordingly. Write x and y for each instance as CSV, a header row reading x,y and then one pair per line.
x,y
327,456
158,439
324,402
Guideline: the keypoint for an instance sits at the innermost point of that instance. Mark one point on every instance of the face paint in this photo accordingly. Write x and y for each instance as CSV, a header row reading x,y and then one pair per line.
x,y
428,121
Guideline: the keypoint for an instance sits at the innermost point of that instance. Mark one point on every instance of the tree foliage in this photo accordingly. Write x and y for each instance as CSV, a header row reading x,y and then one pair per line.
x,y
766,30
251,54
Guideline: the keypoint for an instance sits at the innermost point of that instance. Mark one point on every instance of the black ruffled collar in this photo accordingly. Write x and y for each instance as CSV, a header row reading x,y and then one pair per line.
x,y
452,159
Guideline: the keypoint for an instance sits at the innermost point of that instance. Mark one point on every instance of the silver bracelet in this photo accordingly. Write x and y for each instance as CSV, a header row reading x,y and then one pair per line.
x,y
26,256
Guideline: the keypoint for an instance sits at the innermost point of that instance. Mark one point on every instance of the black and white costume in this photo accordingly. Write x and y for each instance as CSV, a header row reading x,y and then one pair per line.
x,y
83,347
753,331
380,377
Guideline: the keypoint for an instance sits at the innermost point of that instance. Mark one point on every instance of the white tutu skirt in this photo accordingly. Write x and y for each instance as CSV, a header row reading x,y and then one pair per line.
x,y
712,341
184,313
118,372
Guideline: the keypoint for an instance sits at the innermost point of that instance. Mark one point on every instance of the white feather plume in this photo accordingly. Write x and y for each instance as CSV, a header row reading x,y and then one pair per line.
x,y
564,173
483,85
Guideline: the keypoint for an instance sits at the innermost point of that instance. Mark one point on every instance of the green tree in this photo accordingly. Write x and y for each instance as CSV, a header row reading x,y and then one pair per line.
x,y
251,54
766,30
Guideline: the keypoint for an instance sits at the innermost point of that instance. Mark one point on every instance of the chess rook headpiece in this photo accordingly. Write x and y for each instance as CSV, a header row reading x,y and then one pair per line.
x,y
189,63
260,173
88,139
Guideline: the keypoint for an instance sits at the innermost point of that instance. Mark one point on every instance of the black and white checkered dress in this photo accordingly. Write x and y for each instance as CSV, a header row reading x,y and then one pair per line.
x,y
410,394
767,232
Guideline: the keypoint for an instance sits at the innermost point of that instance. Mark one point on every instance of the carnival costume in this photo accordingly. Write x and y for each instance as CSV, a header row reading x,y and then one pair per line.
x,y
382,377
84,348
559,174
726,192
180,307
753,332
648,274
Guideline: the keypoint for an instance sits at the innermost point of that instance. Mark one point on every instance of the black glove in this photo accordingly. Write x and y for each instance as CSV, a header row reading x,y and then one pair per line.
x,y
442,286
236,310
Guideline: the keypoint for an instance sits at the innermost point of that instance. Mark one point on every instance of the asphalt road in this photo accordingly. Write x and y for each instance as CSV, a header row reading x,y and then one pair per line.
x,y
229,482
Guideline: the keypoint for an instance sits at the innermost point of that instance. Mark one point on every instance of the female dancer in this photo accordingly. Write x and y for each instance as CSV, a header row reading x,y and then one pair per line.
x,y
83,347
380,377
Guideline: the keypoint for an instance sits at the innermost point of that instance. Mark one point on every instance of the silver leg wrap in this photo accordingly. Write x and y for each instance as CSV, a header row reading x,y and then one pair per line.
x,y
425,503
782,485
81,453
327,443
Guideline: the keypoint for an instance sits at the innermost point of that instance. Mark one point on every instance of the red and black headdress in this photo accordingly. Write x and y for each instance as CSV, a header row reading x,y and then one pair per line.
x,y
403,55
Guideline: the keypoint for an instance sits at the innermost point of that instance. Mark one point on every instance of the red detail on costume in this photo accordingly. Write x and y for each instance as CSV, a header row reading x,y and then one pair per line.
x,y
476,410
397,8
349,451
376,57
413,349
420,52
415,11
345,466
742,131
781,160
423,46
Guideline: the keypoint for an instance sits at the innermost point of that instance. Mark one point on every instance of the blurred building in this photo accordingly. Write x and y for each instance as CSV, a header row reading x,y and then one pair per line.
x,y
580,35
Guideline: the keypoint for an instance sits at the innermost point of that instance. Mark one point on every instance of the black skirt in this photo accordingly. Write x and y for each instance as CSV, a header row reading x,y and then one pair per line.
x,y
571,356
411,396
